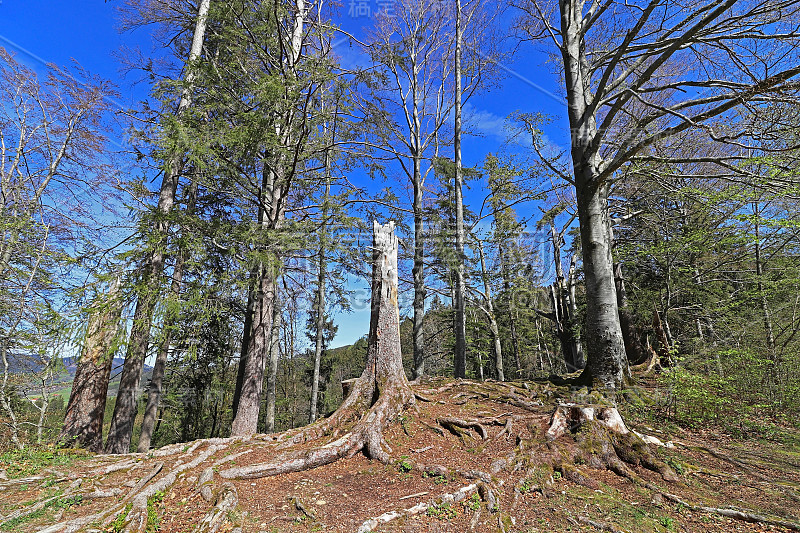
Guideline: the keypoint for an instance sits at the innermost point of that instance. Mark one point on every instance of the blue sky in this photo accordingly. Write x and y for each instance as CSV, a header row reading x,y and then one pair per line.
x,y
60,31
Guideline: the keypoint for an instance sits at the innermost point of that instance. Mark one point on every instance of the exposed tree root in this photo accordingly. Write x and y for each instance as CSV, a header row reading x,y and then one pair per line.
x,y
132,508
455,426
27,511
227,500
375,399
591,435
366,435
575,439
728,513
451,498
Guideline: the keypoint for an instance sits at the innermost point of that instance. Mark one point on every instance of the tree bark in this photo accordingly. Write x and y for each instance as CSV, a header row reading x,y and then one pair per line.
x,y
245,421
512,319
83,422
562,294
635,349
274,356
154,391
247,332
487,291
378,396
418,270
606,358
320,301
384,358
121,431
460,356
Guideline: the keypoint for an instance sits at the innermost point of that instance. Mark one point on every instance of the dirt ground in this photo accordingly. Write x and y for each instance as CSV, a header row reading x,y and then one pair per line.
x,y
758,479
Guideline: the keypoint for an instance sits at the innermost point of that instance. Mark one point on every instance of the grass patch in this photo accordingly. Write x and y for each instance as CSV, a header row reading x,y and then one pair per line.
x,y
31,460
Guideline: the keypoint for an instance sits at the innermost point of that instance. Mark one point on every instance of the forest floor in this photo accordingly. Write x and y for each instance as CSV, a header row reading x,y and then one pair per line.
x,y
193,487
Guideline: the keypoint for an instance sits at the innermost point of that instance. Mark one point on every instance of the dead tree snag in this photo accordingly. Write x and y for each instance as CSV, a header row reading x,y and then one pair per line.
x,y
375,399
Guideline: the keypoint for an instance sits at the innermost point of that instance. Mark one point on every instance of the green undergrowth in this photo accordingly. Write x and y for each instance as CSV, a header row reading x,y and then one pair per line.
x,y
32,460
751,399
58,503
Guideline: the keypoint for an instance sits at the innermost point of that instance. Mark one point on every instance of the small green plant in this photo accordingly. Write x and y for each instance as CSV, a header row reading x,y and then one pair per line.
x,y
119,522
525,487
556,475
14,523
473,503
676,465
438,479
32,460
153,520
50,482
442,511
66,503
404,465
668,522
405,422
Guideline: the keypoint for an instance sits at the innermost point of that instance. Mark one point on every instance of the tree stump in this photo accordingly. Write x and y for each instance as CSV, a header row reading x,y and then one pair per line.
x,y
571,416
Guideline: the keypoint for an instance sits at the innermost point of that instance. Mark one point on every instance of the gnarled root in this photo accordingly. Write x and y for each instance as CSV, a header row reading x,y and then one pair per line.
x,y
227,500
366,435
591,435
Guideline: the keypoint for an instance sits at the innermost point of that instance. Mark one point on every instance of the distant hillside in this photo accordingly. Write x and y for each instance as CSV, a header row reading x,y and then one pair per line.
x,y
70,363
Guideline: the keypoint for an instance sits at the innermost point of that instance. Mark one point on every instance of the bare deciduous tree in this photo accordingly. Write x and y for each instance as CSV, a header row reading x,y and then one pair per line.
x,y
637,74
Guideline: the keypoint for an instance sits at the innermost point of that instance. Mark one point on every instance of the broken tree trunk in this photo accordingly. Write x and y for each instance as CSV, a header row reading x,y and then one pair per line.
x,y
375,399
83,422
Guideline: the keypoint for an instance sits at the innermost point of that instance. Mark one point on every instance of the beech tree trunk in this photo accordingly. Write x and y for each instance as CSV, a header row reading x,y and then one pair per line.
x,y
83,422
121,431
606,361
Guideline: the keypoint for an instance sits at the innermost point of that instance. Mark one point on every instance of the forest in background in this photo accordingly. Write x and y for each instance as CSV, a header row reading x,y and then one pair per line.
x,y
664,240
